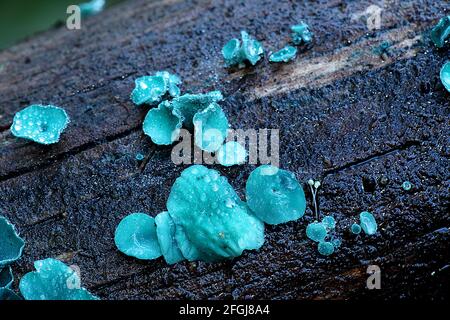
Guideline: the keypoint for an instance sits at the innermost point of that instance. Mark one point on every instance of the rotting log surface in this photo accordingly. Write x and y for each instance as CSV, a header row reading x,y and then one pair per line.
x,y
360,121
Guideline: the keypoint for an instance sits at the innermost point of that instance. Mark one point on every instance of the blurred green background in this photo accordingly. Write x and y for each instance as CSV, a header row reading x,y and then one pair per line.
x,y
22,18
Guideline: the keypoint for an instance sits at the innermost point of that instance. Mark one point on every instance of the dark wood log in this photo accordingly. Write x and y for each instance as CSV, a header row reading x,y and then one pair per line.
x,y
360,121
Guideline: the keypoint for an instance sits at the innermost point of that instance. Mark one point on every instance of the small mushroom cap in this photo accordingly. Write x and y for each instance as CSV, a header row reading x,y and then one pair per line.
x,y
165,231
316,231
163,124
148,90
39,123
286,54
11,245
441,32
329,222
53,280
301,34
368,223
274,195
355,228
210,128
445,75
325,248
136,237
231,153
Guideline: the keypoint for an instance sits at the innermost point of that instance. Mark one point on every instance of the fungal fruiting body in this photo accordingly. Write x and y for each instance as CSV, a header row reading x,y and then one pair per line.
x,y
6,277
274,195
325,248
136,237
151,89
440,32
163,124
406,185
53,280
445,75
11,245
286,54
214,220
301,34
355,228
231,153
91,8
316,231
368,223
210,128
237,53
40,123
165,231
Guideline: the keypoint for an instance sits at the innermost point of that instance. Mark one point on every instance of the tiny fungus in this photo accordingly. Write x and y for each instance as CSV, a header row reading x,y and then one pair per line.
x,y
368,223
39,123
406,185
53,280
236,53
151,89
91,8
139,156
188,105
231,153
136,236
6,277
211,128
445,75
440,32
355,228
301,34
286,54
214,220
163,124
329,222
165,231
325,248
274,195
11,245
316,231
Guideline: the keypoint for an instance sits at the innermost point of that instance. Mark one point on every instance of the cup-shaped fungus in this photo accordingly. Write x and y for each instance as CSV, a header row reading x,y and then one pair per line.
x,y
445,76
6,277
210,128
11,245
39,123
165,231
301,34
286,54
368,223
163,124
237,53
440,32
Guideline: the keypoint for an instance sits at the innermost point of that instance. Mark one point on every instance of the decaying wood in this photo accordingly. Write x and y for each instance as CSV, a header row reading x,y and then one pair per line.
x,y
359,121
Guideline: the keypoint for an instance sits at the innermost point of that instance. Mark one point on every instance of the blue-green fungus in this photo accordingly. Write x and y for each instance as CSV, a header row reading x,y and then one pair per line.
x,y
325,248
172,82
91,8
188,105
274,195
368,223
11,245
355,228
301,34
7,294
445,75
336,243
231,153
136,237
6,277
53,280
139,156
148,90
165,231
316,231
210,128
441,32
406,185
286,54
163,124
188,250
236,53
212,216
329,222
39,123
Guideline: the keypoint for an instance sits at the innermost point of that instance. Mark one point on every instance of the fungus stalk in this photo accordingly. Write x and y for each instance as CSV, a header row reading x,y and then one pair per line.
x,y
314,186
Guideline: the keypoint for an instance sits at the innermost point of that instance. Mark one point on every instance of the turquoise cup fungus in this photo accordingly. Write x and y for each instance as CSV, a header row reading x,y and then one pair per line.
x,y
39,123
368,223
6,277
286,54
166,234
440,32
316,231
11,245
210,128
301,34
274,195
163,124
445,75
53,280
136,236
236,53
